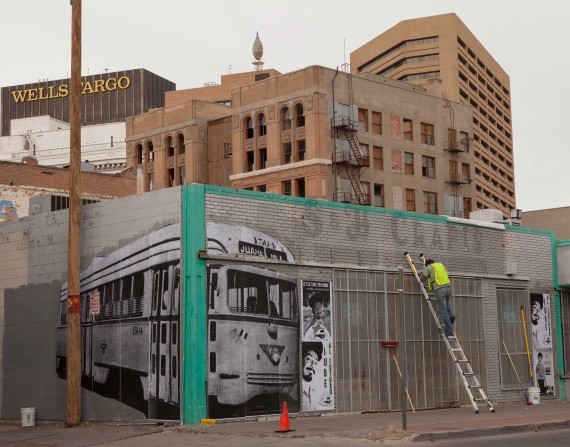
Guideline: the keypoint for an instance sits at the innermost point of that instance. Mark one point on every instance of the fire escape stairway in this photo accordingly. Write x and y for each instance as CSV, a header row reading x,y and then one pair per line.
x,y
354,161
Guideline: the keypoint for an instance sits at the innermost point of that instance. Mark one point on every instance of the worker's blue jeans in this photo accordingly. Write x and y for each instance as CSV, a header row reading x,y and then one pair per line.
x,y
443,297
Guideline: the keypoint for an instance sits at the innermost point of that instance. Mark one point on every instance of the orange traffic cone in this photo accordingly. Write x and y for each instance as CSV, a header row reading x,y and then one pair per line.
x,y
284,422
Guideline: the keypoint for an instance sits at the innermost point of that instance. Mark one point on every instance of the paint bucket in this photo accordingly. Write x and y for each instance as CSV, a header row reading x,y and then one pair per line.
x,y
28,416
534,395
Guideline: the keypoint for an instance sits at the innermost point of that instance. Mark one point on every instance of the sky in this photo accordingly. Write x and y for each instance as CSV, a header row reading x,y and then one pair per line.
x,y
191,42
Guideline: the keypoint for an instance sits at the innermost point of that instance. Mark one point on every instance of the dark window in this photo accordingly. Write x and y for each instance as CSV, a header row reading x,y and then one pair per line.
x,y
261,127
249,161
300,150
248,128
285,119
300,115
300,186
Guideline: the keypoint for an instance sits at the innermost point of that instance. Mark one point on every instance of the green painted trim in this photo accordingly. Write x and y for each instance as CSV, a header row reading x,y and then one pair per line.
x,y
529,230
194,357
559,345
563,243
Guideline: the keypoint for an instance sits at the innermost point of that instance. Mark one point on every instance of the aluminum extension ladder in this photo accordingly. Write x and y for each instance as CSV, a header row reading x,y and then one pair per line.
x,y
463,366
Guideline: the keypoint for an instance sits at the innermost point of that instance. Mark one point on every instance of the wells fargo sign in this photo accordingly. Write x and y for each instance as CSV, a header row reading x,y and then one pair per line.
x,y
96,86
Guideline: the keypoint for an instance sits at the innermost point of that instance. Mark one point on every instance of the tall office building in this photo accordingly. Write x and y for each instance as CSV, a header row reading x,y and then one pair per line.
x,y
443,47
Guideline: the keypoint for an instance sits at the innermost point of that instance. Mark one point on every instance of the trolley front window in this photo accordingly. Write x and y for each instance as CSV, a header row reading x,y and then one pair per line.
x,y
262,295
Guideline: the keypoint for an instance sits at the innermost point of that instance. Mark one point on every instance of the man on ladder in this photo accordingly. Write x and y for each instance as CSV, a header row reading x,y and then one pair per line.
x,y
434,277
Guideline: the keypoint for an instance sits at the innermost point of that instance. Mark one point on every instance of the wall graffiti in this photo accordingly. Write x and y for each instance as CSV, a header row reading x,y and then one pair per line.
x,y
7,211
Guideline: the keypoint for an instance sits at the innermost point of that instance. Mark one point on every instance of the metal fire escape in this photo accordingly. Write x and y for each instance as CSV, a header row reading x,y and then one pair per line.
x,y
455,148
357,159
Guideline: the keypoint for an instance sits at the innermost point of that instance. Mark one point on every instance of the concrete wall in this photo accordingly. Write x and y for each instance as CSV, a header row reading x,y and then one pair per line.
x,y
30,286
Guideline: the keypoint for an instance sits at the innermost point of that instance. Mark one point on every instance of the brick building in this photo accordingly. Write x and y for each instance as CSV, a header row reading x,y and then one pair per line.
x,y
20,182
317,133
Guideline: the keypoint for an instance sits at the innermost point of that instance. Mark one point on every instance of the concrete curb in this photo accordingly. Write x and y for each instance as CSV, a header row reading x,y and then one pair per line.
x,y
491,431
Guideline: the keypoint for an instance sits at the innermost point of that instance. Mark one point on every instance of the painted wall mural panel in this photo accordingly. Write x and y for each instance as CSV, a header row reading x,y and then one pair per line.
x,y
130,302
543,358
317,351
253,326
7,211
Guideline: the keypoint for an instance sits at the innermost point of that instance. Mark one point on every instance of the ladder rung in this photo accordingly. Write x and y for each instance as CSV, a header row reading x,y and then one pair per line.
x,y
475,387
462,360
468,374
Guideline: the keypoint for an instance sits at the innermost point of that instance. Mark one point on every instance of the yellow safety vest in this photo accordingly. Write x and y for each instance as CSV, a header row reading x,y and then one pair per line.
x,y
440,275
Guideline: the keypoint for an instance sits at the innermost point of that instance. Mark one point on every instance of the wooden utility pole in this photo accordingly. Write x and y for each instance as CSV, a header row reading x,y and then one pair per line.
x,y
73,258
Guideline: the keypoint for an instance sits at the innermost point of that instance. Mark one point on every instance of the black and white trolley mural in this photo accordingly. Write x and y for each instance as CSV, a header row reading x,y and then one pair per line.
x,y
130,303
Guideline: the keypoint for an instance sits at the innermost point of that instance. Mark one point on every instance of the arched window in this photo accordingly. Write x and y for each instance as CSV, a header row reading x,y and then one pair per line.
x,y
169,147
300,115
248,128
180,146
139,154
149,151
285,119
261,128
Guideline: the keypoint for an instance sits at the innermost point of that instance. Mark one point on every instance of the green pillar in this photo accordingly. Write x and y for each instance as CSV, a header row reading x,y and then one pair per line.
x,y
194,361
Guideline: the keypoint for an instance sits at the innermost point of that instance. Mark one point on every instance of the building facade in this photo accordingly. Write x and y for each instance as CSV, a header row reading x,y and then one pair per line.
x,y
106,98
443,47
196,302
323,134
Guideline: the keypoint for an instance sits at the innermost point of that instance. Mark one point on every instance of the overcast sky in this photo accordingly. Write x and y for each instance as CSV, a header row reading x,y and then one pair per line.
x,y
193,42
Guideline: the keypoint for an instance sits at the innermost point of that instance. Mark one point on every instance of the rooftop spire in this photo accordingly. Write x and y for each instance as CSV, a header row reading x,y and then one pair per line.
x,y
257,53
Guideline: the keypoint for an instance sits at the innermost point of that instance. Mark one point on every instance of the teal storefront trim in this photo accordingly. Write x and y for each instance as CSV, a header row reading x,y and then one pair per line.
x,y
558,305
194,362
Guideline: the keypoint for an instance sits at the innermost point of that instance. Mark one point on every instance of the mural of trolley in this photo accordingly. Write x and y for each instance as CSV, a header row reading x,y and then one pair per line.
x,y
130,301
253,326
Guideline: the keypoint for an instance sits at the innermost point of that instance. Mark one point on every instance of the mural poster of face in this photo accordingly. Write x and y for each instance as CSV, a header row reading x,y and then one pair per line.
x,y
540,319
317,351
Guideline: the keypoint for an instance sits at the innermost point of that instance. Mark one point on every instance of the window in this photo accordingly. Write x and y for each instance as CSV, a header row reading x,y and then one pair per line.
x,y
410,199
248,128
428,166
262,188
464,141
408,130
408,163
509,304
363,120
262,158
261,128
466,207
287,152
379,195
151,181
378,157
466,172
182,170
286,187
149,151
453,174
300,186
180,146
169,147
300,115
364,149
377,123
249,161
300,150
285,119
430,202
452,138
139,154
427,134
171,181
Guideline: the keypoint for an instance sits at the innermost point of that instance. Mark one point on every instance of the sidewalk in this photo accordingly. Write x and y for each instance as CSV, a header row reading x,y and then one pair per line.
x,y
426,425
